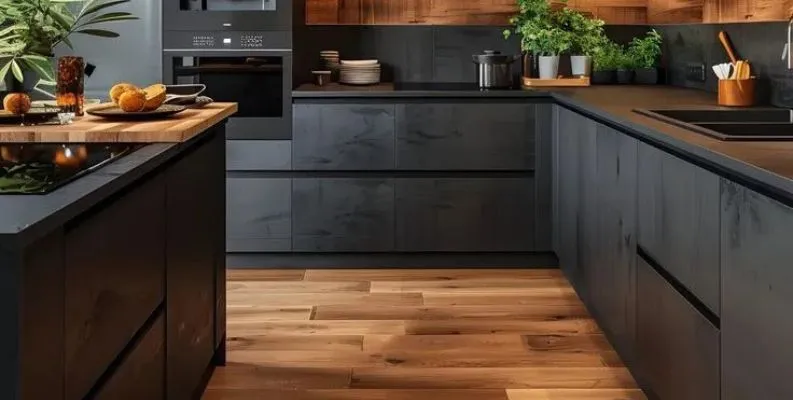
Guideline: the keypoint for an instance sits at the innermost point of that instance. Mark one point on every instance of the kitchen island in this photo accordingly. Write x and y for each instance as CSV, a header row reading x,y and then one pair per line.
x,y
114,284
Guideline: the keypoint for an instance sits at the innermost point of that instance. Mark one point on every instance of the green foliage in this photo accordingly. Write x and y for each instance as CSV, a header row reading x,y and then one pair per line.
x,y
609,56
545,31
646,52
32,28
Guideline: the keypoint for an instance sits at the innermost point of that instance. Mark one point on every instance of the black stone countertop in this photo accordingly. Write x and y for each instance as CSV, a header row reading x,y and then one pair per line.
x,y
24,218
766,167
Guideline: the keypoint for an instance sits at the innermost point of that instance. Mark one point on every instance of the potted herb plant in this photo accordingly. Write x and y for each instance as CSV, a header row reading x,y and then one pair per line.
x,y
587,35
531,13
31,29
646,53
605,60
626,66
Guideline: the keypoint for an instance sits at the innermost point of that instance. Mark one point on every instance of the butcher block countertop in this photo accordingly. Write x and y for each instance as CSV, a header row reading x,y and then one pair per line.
x,y
175,129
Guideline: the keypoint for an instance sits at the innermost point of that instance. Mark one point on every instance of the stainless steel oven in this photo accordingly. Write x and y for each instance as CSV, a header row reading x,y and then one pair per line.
x,y
237,69
231,15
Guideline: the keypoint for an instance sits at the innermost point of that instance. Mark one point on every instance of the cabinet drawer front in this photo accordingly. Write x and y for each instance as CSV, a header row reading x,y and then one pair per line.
x,y
466,136
258,214
343,214
679,221
142,374
677,347
343,136
465,214
115,279
258,155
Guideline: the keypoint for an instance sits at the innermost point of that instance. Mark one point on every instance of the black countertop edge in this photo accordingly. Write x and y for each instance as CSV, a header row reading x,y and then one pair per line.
x,y
758,179
401,94
26,218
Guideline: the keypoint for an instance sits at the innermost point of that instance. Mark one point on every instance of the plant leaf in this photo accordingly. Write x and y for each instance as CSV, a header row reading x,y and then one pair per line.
x,y
17,71
99,32
4,70
114,16
96,7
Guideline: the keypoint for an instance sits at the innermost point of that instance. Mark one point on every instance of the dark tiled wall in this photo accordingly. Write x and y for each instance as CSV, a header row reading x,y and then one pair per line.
x,y
760,43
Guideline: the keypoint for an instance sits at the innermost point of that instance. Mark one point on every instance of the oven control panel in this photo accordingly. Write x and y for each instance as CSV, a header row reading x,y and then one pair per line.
x,y
251,41
203,41
232,40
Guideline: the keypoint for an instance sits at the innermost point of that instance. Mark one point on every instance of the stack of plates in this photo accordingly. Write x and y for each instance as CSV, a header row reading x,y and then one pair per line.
x,y
329,59
359,72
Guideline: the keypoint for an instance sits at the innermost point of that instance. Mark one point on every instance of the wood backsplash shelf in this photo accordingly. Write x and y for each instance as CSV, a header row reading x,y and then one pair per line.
x,y
497,12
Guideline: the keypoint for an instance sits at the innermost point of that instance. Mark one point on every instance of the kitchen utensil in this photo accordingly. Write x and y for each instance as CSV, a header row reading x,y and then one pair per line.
x,y
359,62
728,47
737,92
34,116
494,70
359,74
180,94
114,112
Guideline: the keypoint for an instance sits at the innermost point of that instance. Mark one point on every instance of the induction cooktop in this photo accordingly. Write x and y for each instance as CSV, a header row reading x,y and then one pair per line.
x,y
29,169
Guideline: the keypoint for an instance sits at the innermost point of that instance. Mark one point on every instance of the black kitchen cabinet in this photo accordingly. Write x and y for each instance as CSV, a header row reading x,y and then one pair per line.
x,y
679,221
343,214
466,136
259,214
611,275
343,136
145,363
192,255
756,320
677,347
566,158
114,280
465,214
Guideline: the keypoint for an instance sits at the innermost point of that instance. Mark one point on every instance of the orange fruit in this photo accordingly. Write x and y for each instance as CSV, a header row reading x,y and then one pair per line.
x,y
66,158
118,89
155,96
17,103
132,101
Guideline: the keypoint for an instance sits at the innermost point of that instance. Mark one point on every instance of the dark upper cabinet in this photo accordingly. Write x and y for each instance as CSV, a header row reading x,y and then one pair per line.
x,y
677,347
611,277
192,256
343,214
465,214
258,214
114,280
466,136
679,221
142,373
756,323
343,136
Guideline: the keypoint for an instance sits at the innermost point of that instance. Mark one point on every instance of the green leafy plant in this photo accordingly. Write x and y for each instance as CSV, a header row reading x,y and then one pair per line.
x,y
586,33
540,28
529,12
30,30
646,52
608,56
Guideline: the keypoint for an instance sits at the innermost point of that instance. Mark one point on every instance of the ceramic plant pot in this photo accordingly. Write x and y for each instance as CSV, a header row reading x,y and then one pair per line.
x,y
647,76
625,76
604,77
549,67
581,65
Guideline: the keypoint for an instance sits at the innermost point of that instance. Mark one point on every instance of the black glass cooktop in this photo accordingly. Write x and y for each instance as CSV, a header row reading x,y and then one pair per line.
x,y
42,168
439,86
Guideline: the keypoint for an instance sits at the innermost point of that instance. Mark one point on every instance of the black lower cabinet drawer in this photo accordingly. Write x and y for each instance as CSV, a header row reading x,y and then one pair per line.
x,y
677,347
141,375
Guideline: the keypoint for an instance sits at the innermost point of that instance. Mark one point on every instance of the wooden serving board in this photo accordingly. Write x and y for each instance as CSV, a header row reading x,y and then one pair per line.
x,y
90,129
560,82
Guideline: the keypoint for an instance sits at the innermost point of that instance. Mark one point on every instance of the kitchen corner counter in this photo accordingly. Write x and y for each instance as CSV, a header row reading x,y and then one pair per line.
x,y
90,129
408,90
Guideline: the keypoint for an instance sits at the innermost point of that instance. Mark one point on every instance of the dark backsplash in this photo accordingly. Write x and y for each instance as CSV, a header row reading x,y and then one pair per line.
x,y
760,43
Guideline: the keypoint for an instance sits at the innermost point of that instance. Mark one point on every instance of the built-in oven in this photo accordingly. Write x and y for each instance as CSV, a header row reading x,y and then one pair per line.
x,y
227,15
258,79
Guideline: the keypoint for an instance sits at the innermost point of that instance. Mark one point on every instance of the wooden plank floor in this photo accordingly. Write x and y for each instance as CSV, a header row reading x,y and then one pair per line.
x,y
475,334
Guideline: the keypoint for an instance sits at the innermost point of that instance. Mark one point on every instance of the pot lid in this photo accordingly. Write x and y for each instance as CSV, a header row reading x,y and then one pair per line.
x,y
493,57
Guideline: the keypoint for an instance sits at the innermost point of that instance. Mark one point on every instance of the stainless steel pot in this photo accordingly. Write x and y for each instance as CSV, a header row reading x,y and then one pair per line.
x,y
494,70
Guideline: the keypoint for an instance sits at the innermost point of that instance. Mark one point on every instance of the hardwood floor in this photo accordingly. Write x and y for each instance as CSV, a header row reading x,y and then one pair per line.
x,y
477,334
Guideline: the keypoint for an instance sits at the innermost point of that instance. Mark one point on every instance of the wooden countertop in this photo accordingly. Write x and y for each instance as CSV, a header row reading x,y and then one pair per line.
x,y
175,129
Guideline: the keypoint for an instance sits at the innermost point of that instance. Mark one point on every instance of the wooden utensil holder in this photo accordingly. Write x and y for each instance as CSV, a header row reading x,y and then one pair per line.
x,y
737,92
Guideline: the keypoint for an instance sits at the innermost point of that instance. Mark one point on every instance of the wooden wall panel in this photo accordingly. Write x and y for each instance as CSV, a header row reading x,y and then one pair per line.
x,y
497,12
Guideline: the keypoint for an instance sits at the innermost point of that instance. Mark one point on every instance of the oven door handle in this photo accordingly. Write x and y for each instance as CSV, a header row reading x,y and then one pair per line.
x,y
260,69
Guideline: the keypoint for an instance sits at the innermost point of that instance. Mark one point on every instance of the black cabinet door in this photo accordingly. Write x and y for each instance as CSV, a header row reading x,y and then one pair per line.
x,y
677,347
612,279
679,221
465,214
756,322
566,187
343,214
343,136
192,254
142,373
586,223
259,214
466,136
114,280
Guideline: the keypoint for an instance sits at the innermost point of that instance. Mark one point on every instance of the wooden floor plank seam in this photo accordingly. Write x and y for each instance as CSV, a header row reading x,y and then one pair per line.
x,y
484,334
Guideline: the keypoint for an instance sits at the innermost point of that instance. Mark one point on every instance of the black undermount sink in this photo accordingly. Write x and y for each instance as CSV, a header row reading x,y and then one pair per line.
x,y
733,125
